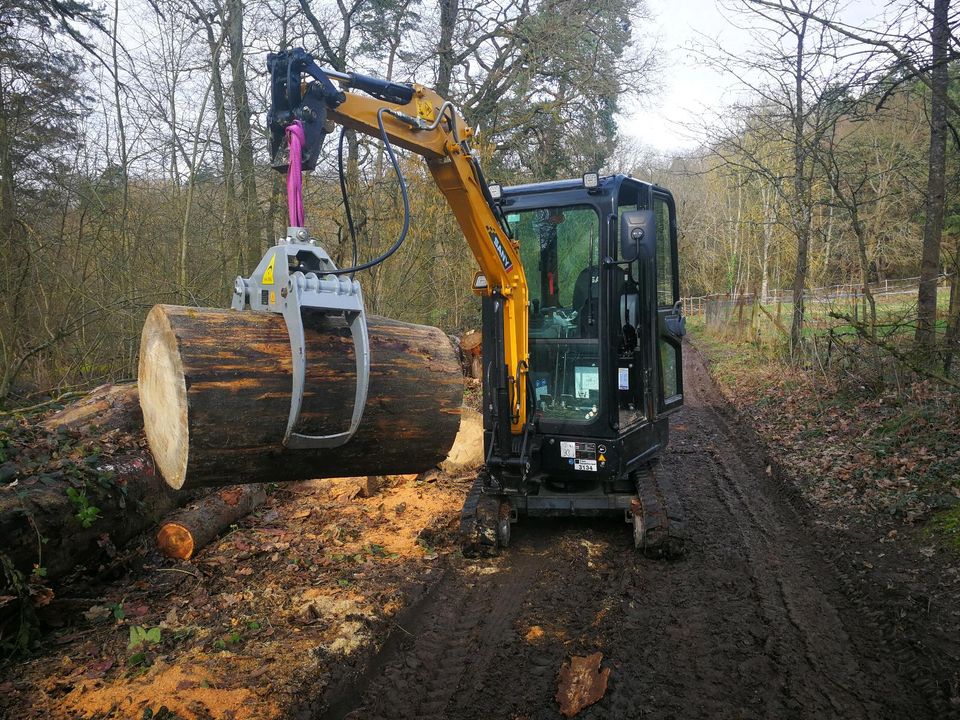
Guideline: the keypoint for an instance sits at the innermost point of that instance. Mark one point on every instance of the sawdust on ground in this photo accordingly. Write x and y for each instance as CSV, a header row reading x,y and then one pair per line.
x,y
252,624
189,688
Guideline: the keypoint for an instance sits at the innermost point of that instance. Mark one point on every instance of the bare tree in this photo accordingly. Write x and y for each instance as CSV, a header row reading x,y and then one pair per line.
x,y
911,60
791,73
245,149
936,177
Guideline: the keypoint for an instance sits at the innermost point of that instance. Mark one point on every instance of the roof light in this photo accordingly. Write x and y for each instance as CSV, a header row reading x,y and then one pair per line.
x,y
496,191
591,180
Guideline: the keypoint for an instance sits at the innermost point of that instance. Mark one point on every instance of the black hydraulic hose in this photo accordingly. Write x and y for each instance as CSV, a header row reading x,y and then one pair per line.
x,y
346,197
406,206
497,210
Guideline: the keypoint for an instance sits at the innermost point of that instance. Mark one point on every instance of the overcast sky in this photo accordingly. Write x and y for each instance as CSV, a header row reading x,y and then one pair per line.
x,y
689,90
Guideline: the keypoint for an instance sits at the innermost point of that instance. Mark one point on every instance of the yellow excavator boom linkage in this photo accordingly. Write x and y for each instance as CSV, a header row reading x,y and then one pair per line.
x,y
452,168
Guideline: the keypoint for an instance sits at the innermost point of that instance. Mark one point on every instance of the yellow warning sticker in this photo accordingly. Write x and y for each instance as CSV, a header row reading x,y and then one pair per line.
x,y
425,110
602,458
273,298
268,273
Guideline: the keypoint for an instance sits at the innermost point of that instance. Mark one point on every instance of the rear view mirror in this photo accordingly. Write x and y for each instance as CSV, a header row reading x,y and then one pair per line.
x,y
635,227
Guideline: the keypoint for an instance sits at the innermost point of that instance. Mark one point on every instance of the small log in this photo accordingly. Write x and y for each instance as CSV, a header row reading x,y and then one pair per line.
x,y
38,520
215,390
196,526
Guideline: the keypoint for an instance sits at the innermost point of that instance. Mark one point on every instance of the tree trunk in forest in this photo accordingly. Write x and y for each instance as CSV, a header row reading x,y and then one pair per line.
x,y
768,220
445,55
215,388
196,526
951,339
933,223
8,212
801,205
358,210
223,131
38,523
248,182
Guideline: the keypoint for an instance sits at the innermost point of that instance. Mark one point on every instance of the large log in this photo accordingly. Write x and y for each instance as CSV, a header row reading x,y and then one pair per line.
x,y
95,448
215,390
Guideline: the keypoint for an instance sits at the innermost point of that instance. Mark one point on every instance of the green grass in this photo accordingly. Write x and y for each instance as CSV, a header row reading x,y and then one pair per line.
x,y
944,528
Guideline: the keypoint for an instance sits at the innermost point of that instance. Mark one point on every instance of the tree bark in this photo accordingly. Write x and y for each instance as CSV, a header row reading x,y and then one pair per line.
x,y
801,205
951,339
223,132
248,182
215,388
933,222
196,526
38,523
445,52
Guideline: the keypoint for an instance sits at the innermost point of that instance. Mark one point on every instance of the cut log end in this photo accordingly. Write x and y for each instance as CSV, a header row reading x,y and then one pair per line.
x,y
163,397
175,541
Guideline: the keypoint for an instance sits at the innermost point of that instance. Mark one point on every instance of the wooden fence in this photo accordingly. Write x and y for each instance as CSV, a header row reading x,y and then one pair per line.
x,y
696,306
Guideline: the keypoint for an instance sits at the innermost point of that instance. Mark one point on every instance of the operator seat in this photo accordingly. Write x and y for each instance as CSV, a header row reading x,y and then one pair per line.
x,y
586,301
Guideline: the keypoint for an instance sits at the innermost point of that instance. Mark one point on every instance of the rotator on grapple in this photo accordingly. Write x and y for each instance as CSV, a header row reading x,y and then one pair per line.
x,y
579,288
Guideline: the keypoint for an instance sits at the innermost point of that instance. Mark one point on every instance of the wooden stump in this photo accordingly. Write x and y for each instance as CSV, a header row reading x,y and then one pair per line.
x,y
215,390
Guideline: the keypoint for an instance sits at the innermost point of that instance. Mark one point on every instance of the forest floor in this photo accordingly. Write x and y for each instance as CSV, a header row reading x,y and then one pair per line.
x,y
810,589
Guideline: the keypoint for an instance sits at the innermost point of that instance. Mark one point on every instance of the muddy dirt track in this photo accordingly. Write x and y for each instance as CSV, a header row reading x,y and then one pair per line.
x,y
753,623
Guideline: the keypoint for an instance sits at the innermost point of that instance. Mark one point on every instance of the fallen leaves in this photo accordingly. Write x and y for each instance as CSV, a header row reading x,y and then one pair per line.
x,y
534,635
581,683
97,613
314,577
853,451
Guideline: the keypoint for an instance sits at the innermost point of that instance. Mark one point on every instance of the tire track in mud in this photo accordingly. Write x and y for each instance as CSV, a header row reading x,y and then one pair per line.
x,y
792,601
455,634
839,637
793,616
881,642
756,622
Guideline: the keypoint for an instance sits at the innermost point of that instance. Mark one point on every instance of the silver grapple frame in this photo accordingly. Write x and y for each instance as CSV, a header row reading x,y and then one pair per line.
x,y
295,277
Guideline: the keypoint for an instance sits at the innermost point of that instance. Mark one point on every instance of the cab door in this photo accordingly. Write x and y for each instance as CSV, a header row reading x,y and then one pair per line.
x,y
670,324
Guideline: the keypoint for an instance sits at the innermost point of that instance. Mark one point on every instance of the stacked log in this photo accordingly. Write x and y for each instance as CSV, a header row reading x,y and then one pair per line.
x,y
471,345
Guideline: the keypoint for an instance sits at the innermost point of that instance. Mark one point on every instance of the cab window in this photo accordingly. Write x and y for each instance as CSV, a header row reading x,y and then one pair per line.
x,y
559,247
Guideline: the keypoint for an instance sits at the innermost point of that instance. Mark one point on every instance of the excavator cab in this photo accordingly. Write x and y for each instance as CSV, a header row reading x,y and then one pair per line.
x,y
605,369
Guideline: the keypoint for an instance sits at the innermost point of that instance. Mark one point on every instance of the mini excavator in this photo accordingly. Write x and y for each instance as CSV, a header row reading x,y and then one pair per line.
x,y
579,286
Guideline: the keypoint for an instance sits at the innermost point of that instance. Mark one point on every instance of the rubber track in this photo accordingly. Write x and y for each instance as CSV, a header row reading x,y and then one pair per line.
x,y
664,523
478,521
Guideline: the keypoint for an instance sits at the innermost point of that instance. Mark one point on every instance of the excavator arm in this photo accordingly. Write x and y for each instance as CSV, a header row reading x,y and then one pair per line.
x,y
419,120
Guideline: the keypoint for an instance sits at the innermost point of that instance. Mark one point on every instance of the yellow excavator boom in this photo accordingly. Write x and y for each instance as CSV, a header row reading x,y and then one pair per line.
x,y
443,144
